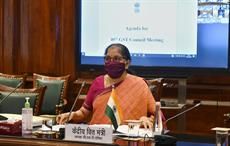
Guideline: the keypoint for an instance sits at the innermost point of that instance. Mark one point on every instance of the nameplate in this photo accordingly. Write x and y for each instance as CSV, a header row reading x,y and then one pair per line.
x,y
89,133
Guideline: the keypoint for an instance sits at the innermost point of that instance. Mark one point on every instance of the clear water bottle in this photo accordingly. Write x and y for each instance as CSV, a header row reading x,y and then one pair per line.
x,y
158,126
27,118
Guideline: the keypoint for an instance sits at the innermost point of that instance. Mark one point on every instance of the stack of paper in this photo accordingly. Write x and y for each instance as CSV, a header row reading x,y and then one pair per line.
x,y
124,130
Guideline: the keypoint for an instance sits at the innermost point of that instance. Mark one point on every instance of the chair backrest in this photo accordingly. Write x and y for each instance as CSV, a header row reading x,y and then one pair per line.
x,y
56,91
15,101
156,86
12,80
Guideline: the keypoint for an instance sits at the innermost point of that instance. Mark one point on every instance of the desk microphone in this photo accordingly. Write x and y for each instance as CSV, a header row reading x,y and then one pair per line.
x,y
167,139
78,95
4,98
177,115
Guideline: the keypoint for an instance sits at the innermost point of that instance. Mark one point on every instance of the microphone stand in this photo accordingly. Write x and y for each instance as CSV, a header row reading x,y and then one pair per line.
x,y
71,110
167,139
19,85
62,130
2,118
177,115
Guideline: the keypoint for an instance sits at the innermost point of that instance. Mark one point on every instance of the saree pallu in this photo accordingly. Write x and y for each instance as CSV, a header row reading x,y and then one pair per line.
x,y
134,97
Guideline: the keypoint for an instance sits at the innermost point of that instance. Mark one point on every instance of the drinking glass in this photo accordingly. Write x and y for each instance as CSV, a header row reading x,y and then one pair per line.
x,y
133,127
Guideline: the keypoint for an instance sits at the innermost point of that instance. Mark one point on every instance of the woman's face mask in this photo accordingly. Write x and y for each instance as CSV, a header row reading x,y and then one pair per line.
x,y
114,69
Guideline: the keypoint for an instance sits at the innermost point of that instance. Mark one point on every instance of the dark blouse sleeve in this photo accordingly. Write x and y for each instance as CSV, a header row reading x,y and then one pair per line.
x,y
96,88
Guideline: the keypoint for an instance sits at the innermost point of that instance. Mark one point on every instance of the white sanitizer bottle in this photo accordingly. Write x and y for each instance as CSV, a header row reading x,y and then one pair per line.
x,y
27,118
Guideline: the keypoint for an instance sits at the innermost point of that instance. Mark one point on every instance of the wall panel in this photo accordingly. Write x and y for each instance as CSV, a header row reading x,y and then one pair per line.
x,y
37,36
1,35
8,35
24,63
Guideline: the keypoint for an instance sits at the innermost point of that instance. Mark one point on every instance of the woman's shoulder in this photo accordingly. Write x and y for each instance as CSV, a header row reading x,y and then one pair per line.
x,y
98,81
99,78
135,78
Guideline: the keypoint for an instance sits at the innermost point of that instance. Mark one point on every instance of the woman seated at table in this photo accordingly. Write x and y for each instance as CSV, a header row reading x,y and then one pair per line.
x,y
132,93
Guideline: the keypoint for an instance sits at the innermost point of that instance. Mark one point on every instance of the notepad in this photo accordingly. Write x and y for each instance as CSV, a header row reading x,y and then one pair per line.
x,y
123,130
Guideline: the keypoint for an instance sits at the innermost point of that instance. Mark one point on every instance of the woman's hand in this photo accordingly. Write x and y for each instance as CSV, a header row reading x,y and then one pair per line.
x,y
63,118
76,116
147,122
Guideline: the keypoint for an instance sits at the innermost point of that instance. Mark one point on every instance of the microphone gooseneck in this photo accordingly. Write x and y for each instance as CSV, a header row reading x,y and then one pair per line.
x,y
3,99
177,115
19,85
78,95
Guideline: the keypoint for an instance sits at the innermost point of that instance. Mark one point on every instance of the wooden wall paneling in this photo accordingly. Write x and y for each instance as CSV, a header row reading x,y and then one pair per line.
x,y
1,37
8,35
47,32
58,23
42,52
24,64
16,36
66,43
49,38
66,36
29,36
202,119
38,36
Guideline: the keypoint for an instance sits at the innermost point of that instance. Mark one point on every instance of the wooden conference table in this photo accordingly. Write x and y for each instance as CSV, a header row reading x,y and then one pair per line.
x,y
32,141
21,141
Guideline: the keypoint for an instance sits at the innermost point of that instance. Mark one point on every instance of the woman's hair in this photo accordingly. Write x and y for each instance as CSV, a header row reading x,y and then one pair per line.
x,y
123,50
